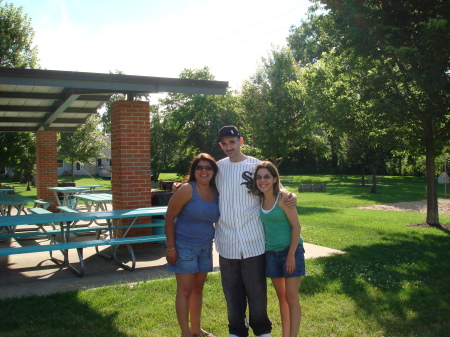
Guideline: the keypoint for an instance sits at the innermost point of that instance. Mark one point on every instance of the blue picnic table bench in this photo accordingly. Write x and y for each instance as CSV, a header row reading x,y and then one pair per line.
x,y
64,219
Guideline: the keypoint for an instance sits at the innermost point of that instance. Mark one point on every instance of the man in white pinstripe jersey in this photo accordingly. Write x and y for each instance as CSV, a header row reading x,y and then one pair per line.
x,y
240,239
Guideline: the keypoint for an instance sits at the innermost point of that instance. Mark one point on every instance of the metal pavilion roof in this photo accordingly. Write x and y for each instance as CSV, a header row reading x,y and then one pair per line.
x,y
34,99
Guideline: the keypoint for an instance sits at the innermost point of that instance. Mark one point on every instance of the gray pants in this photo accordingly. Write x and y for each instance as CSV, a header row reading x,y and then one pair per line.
x,y
244,281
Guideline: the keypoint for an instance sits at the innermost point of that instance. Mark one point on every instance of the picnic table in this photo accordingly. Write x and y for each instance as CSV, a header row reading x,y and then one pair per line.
x,y
8,201
378,180
91,187
67,192
63,220
96,200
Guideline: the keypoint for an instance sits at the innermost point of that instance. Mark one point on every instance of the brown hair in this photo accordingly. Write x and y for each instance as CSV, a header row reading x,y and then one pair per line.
x,y
273,171
196,160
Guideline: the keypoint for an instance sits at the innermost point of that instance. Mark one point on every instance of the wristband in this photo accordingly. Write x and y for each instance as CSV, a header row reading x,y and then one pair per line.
x,y
171,248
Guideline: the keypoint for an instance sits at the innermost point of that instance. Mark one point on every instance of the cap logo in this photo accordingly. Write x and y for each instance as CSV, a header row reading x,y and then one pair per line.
x,y
232,132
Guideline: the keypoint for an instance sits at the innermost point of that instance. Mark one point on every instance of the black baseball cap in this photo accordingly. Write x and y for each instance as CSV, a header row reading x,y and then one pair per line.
x,y
228,131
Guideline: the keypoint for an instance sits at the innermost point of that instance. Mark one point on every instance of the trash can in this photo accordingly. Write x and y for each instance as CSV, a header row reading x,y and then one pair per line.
x,y
61,195
160,198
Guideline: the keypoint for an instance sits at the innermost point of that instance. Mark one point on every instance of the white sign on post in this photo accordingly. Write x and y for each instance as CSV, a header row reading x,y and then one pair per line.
x,y
443,178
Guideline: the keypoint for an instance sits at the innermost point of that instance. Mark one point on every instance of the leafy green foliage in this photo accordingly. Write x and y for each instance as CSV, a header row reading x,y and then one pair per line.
x,y
274,121
16,38
18,151
84,145
189,123
385,54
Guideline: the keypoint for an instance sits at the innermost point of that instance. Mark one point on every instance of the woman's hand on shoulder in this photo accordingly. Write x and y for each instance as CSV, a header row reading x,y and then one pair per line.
x,y
288,199
183,194
175,186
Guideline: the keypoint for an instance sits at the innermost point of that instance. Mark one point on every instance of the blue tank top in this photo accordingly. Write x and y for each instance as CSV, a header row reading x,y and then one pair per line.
x,y
194,225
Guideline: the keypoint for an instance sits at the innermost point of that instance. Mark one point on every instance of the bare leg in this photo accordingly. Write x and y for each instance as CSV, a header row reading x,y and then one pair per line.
x,y
280,288
185,283
195,303
293,301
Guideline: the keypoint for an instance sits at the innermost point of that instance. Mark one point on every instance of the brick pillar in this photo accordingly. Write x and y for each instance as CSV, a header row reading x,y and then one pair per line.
x,y
46,165
130,154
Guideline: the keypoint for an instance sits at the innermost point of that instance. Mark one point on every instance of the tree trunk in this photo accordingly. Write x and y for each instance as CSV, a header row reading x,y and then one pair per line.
x,y
374,179
73,176
333,140
432,202
363,176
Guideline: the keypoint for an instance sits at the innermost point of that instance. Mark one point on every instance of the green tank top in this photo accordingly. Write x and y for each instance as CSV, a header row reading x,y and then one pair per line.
x,y
277,228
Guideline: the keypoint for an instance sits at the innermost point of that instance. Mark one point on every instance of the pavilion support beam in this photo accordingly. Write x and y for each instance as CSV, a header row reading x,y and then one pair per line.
x,y
59,108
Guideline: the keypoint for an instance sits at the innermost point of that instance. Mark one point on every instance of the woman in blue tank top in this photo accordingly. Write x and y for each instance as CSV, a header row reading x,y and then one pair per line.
x,y
190,218
285,258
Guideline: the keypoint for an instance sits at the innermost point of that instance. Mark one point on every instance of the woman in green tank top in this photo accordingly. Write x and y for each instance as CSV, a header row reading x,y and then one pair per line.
x,y
285,260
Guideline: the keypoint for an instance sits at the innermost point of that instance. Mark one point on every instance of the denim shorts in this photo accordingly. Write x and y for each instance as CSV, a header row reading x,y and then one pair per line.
x,y
191,260
276,263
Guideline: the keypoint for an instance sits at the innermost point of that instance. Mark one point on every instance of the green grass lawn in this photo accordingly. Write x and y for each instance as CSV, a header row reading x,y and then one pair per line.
x,y
394,279
79,181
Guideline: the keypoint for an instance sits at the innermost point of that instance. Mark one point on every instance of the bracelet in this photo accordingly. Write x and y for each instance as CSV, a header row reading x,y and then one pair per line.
x,y
171,248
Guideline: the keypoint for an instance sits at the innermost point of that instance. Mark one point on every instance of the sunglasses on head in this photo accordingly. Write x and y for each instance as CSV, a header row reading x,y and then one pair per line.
x,y
201,167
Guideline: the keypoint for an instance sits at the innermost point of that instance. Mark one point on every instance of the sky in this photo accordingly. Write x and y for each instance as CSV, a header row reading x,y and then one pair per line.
x,y
161,38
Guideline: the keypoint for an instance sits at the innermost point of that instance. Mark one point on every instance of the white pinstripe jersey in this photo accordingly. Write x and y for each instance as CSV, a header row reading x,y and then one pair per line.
x,y
239,231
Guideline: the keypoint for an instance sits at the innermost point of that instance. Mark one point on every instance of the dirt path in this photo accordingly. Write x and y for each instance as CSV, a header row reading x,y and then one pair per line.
x,y
413,206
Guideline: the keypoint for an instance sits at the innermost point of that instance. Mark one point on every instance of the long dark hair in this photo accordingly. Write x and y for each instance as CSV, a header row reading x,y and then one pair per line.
x,y
273,171
196,160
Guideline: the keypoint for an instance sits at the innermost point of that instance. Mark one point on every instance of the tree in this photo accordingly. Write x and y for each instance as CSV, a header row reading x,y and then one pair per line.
x,y
18,151
410,39
400,49
84,145
16,38
191,122
267,102
105,116
161,151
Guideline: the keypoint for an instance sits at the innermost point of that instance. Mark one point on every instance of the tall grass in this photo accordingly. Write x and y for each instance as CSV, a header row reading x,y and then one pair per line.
x,y
394,279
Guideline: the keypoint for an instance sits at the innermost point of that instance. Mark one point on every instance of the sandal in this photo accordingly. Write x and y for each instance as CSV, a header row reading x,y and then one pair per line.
x,y
205,334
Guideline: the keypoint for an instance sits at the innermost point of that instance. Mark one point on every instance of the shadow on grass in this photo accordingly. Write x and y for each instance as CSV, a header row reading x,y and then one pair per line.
x,y
54,315
385,194
404,283
303,210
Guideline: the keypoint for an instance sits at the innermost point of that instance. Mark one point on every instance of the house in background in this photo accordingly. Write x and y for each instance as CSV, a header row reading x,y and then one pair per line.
x,y
104,165
101,167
